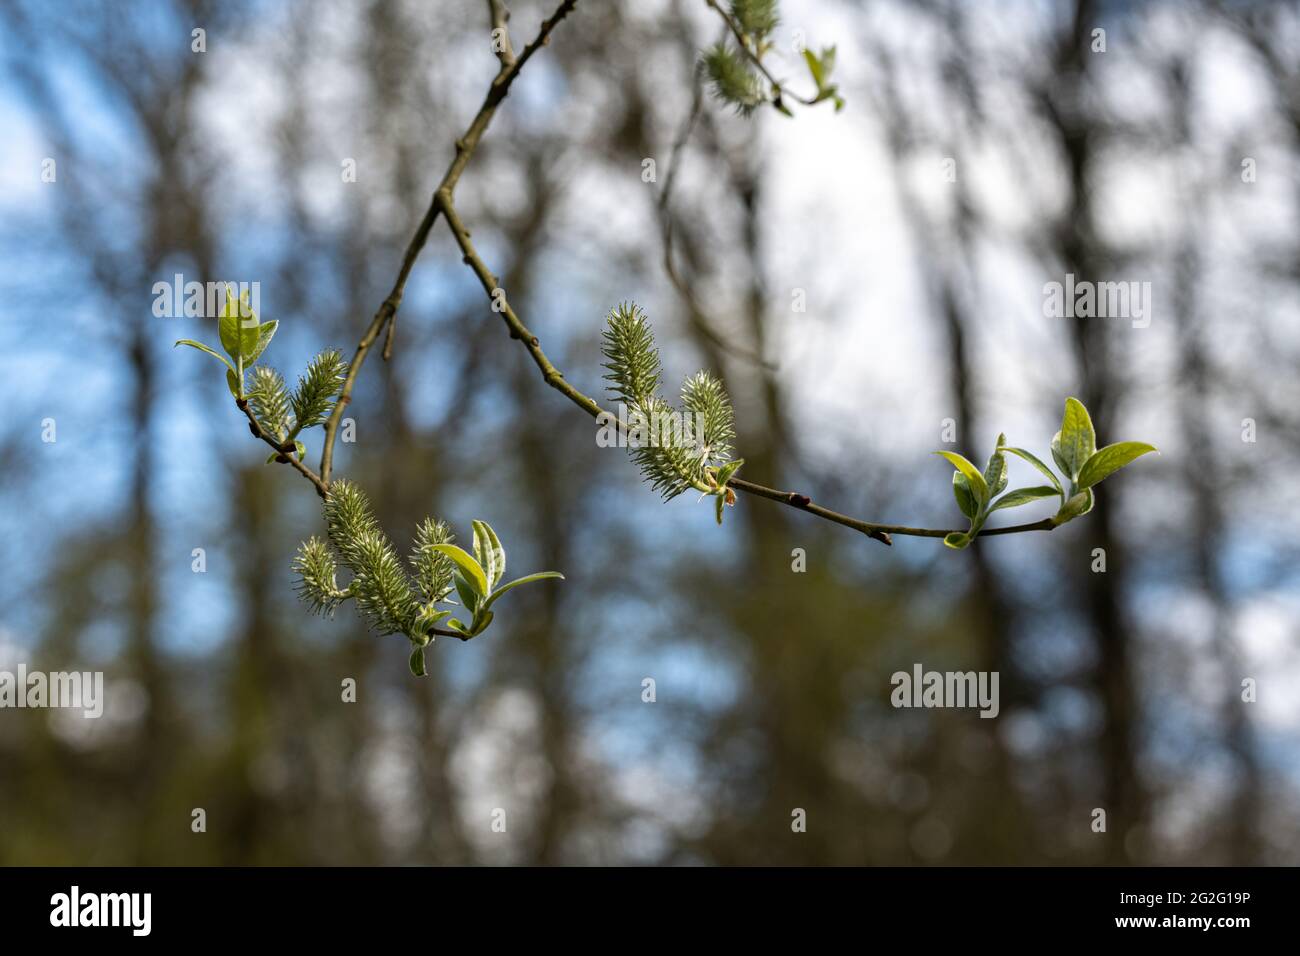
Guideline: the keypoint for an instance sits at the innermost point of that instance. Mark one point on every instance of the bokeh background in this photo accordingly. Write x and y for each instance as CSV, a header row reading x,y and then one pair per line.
x,y
924,302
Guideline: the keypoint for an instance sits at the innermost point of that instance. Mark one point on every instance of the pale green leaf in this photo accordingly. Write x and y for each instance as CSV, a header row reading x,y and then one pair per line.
x,y
729,469
1022,496
1106,461
965,499
1059,458
203,348
1078,440
995,473
814,67
1078,505
470,568
428,618
956,540
465,590
489,553
238,332
539,576
264,333
979,487
1046,472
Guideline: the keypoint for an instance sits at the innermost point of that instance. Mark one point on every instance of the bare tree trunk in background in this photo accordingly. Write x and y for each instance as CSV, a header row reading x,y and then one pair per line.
x,y
176,229
950,271
1207,481
1079,251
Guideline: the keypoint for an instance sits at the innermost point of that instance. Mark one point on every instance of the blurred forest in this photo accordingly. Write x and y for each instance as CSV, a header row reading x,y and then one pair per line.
x,y
1120,690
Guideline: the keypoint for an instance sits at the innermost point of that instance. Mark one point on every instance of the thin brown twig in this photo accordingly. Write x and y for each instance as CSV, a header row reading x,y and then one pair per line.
x,y
500,18
465,145
286,449
555,378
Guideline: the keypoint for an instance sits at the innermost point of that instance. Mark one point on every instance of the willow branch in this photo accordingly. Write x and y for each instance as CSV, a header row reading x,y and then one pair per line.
x,y
465,146
555,378
500,18
752,55
286,449
443,204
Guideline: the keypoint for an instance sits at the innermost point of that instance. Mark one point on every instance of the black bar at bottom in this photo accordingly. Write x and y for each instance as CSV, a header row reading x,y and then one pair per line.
x,y
330,906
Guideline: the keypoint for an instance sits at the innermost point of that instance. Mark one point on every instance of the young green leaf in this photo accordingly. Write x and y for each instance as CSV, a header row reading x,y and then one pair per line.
x,y
956,540
1079,505
965,499
203,348
265,331
527,579
417,661
995,473
238,326
1106,461
489,553
820,67
465,591
1059,457
470,569
814,67
1077,439
978,486
1022,496
828,63
1043,469
459,628
727,470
